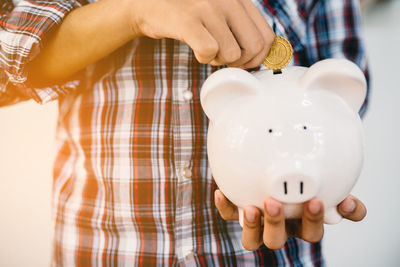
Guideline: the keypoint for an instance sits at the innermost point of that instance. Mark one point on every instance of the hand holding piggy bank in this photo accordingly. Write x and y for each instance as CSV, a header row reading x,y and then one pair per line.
x,y
293,136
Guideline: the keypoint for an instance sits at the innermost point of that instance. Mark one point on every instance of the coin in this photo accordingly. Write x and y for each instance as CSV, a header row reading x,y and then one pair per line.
x,y
279,54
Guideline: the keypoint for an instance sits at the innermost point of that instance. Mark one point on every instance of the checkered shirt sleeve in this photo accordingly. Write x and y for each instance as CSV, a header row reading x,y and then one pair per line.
x,y
25,25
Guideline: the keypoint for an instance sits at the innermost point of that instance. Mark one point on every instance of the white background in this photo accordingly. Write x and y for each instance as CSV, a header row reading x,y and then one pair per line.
x,y
27,131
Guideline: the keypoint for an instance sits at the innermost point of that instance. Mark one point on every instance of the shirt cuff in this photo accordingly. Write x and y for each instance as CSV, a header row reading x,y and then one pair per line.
x,y
22,34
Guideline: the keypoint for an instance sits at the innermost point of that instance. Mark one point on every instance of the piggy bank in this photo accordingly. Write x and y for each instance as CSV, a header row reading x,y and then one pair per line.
x,y
293,136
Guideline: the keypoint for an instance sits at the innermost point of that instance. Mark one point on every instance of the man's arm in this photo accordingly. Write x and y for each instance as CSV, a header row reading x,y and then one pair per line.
x,y
25,25
86,35
220,32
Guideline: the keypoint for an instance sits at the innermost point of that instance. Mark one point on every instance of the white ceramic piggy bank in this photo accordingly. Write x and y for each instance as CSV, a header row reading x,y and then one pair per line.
x,y
292,136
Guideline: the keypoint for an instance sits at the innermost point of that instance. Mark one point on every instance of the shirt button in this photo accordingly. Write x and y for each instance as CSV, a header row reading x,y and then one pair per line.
x,y
187,95
189,255
187,172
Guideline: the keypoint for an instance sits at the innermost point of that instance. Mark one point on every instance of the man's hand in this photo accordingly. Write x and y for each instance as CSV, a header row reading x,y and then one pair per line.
x,y
276,229
220,32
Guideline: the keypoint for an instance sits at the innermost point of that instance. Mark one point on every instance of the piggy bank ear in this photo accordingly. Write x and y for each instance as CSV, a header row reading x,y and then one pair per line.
x,y
225,86
339,76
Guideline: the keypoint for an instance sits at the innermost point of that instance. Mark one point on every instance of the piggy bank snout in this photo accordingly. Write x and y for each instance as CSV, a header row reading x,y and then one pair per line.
x,y
294,187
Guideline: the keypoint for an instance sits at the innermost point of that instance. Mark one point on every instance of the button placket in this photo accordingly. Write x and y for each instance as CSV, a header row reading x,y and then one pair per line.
x,y
182,118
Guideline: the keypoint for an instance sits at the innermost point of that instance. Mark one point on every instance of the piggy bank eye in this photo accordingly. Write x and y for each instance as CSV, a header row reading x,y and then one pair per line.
x,y
305,127
270,130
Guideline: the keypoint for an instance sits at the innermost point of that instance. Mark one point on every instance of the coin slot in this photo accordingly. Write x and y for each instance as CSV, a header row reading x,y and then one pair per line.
x,y
285,187
301,188
277,72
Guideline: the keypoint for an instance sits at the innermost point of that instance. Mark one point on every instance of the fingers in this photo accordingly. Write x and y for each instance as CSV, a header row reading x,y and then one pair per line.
x,y
226,209
252,232
203,44
265,30
228,48
313,221
274,235
251,235
243,40
352,209
277,229
246,33
220,32
241,37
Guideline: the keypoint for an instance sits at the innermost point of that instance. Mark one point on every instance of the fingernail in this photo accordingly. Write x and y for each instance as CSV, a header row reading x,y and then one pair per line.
x,y
250,215
272,207
314,206
348,205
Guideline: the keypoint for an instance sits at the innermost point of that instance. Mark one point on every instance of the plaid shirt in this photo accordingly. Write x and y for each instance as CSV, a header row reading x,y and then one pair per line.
x,y
132,185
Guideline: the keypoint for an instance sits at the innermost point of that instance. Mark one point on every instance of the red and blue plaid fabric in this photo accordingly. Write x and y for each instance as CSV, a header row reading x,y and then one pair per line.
x,y
132,185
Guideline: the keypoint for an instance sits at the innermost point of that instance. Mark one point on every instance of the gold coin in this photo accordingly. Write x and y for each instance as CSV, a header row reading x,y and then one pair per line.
x,y
279,54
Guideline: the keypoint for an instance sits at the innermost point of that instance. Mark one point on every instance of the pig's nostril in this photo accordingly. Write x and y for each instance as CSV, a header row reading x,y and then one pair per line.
x,y
294,187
